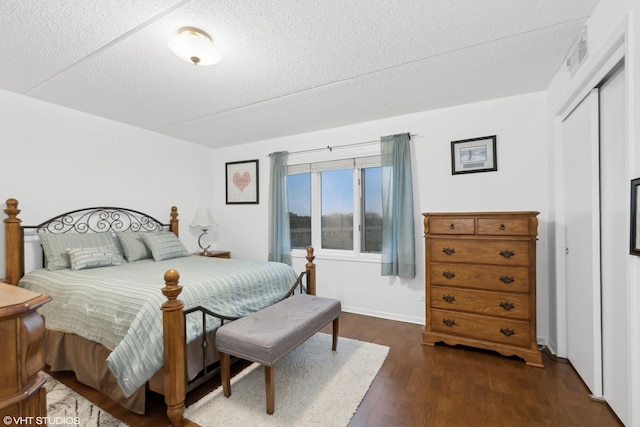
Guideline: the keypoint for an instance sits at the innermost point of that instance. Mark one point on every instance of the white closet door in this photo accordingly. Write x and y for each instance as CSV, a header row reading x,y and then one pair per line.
x,y
614,190
582,236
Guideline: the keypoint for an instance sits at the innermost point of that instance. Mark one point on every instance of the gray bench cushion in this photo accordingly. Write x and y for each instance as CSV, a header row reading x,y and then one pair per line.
x,y
269,334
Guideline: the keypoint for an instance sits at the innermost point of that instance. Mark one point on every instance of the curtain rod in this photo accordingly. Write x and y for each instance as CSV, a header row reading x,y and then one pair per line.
x,y
337,147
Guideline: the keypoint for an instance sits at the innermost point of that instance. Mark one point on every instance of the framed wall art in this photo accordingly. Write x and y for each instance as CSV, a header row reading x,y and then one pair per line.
x,y
242,182
474,155
635,217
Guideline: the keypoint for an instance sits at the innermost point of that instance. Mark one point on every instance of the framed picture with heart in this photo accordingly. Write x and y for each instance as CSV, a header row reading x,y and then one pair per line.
x,y
242,182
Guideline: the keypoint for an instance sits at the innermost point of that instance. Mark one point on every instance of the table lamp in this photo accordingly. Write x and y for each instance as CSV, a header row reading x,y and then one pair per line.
x,y
203,220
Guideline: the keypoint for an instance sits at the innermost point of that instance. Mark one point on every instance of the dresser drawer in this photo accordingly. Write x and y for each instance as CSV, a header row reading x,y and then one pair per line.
x,y
499,330
493,252
494,278
513,306
503,226
452,225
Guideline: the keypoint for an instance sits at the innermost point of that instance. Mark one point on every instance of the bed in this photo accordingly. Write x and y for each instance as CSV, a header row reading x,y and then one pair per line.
x,y
112,322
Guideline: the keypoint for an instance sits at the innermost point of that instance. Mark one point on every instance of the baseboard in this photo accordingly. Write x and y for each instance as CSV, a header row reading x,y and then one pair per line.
x,y
553,357
383,315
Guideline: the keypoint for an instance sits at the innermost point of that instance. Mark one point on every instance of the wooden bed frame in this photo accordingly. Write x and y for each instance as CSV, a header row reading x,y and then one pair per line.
x,y
173,315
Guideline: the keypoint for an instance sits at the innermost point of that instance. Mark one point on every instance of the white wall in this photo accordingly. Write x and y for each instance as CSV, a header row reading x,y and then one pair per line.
x,y
55,160
520,124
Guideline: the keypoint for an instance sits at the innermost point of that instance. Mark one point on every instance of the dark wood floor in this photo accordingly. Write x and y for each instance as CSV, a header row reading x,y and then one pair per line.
x,y
435,386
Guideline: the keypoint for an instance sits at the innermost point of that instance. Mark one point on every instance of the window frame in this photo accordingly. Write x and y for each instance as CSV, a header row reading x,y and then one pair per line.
x,y
355,254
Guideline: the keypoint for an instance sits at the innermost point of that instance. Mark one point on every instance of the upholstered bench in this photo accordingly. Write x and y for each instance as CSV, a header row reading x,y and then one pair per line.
x,y
269,334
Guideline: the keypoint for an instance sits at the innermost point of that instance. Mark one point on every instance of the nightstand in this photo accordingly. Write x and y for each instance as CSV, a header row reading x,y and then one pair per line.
x,y
216,254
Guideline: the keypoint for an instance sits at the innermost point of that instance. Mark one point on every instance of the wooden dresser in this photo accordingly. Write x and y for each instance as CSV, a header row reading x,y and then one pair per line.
x,y
481,281
22,330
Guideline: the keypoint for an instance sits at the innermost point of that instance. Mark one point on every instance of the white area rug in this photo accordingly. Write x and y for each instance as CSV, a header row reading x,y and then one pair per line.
x,y
314,387
65,407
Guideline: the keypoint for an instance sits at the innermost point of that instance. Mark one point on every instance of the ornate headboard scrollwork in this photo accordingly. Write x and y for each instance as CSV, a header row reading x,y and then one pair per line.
x,y
100,219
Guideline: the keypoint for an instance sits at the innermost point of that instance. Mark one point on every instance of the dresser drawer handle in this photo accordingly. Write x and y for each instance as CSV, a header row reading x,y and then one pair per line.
x,y
507,279
449,298
507,305
452,226
507,253
449,251
507,332
502,227
449,274
449,322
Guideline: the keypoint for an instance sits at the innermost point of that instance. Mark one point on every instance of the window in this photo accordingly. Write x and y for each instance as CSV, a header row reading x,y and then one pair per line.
x,y
372,210
299,197
336,205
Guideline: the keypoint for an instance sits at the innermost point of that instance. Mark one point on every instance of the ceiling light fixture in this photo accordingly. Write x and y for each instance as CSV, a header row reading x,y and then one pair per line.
x,y
195,46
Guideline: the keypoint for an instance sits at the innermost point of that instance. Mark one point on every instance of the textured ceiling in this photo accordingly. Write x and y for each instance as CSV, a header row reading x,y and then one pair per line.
x,y
288,66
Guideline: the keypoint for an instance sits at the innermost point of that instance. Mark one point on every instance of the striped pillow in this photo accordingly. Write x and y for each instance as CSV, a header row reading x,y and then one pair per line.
x,y
133,245
165,245
104,256
55,246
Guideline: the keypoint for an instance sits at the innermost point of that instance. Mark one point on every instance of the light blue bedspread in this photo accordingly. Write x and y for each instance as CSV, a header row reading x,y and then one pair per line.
x,y
119,306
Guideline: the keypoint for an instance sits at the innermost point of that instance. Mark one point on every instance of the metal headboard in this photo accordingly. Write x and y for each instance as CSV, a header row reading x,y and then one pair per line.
x,y
99,219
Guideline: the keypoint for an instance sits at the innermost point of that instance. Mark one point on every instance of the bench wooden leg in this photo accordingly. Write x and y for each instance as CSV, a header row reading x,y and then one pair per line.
x,y
270,383
225,373
335,334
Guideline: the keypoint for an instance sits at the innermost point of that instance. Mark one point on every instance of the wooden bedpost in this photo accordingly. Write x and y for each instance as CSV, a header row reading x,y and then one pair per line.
x,y
311,271
174,357
13,243
173,224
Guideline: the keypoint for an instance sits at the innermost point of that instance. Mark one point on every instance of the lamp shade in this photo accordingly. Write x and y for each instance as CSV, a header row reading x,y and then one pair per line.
x,y
203,218
195,46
